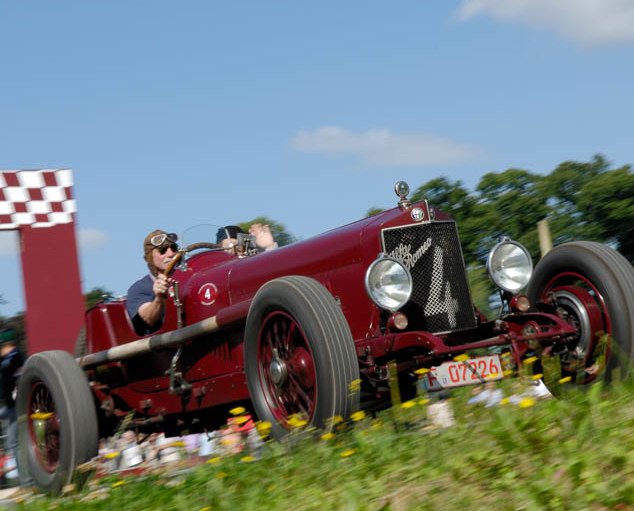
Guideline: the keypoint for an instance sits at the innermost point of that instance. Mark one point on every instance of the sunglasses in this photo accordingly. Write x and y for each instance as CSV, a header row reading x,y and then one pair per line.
x,y
158,239
164,248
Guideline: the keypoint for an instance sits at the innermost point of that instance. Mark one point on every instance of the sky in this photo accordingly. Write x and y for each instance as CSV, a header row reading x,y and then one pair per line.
x,y
176,113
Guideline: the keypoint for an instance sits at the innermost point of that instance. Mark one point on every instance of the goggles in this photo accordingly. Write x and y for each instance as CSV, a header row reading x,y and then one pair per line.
x,y
158,239
163,248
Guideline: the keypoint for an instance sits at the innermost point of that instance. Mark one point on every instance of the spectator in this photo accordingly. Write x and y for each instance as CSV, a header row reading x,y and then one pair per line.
x,y
227,237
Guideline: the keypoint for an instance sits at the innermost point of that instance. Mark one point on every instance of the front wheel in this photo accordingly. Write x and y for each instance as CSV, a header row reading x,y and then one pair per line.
x,y
300,360
57,421
591,286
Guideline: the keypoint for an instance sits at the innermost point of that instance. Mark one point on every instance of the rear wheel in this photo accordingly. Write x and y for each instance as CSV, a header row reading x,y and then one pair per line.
x,y
57,421
300,359
591,286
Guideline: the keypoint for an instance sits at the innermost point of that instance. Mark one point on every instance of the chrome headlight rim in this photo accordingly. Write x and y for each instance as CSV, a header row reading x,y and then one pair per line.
x,y
495,277
382,259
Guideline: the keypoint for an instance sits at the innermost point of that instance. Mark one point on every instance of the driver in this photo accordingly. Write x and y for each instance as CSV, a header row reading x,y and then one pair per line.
x,y
227,237
146,297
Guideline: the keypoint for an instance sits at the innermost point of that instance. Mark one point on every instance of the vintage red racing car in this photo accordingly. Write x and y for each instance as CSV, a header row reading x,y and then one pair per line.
x,y
309,330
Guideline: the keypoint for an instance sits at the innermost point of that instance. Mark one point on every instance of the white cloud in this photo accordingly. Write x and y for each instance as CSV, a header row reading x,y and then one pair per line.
x,y
587,22
382,148
92,239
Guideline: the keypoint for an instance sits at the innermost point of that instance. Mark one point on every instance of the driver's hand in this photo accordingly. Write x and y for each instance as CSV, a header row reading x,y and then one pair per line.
x,y
263,236
161,285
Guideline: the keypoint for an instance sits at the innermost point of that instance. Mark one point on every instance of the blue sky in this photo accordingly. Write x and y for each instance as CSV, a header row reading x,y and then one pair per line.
x,y
174,113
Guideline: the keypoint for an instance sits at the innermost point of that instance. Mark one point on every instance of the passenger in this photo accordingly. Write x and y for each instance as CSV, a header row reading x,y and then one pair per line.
x,y
228,237
147,296
11,361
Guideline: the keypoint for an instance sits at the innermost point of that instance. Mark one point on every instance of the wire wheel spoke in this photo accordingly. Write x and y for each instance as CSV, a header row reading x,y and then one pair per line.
x,y
286,367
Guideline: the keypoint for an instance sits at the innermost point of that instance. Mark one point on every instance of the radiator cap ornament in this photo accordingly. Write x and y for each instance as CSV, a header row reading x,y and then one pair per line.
x,y
402,190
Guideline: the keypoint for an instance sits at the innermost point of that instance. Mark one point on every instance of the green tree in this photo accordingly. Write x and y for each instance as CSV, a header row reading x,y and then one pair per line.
x,y
374,210
561,189
95,295
281,235
510,203
607,204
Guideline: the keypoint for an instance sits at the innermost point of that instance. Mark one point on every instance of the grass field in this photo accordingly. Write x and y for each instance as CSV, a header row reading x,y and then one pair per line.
x,y
571,453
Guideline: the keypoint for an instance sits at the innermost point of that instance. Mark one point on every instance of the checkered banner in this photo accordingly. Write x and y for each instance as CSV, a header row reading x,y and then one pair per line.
x,y
39,198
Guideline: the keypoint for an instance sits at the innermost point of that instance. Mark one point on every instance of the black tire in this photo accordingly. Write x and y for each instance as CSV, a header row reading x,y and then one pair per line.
x,y
592,286
54,399
299,355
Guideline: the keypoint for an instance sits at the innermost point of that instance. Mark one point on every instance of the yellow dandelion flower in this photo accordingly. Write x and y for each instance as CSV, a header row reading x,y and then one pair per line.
x,y
537,376
111,455
295,422
337,419
527,402
491,376
241,420
422,370
376,424
211,461
40,416
461,358
271,488
327,436
238,410
263,428
408,404
347,453
220,475
508,372
530,360
355,385
178,444
565,379
117,484
423,401
247,459
504,401
206,508
358,416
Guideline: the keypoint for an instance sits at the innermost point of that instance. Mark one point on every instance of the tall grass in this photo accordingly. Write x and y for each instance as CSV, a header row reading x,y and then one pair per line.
x,y
571,453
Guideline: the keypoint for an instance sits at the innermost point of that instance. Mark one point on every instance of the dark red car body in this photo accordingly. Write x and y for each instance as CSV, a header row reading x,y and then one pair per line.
x,y
214,366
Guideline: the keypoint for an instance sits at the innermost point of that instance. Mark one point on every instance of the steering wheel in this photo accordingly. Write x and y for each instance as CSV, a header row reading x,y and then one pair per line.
x,y
187,249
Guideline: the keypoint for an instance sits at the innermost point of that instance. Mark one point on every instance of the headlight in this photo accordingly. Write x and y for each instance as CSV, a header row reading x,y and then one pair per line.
x,y
510,265
388,283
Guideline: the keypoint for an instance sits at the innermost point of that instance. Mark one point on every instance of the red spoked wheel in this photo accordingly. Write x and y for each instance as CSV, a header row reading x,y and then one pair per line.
x,y
591,286
57,421
299,356
43,424
287,370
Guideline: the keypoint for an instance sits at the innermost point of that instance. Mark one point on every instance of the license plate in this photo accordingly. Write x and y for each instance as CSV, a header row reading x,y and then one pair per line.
x,y
469,372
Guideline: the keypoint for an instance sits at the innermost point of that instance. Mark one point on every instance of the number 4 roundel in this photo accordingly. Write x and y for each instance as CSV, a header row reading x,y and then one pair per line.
x,y
207,294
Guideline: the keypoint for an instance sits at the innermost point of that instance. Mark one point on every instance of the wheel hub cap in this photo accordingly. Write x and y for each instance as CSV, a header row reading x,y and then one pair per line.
x,y
278,370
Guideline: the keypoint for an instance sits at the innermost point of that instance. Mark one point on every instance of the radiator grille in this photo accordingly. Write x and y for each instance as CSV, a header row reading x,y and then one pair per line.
x,y
441,301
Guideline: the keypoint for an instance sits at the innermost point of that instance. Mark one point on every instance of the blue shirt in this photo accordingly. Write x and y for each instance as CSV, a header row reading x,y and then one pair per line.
x,y
139,293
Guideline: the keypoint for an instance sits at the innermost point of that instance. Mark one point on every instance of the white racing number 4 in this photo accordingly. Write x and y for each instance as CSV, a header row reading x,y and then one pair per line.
x,y
440,299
